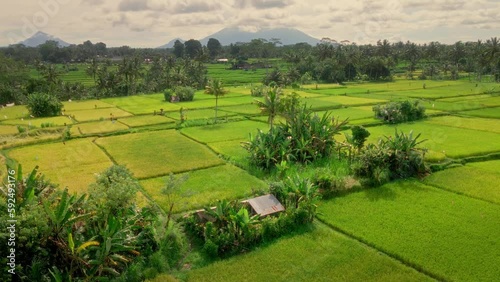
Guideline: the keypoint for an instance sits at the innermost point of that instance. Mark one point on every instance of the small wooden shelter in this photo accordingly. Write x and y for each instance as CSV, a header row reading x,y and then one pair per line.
x,y
265,205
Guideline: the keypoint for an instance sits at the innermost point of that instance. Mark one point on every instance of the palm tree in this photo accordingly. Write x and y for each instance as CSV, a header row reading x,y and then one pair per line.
x,y
492,53
215,88
271,103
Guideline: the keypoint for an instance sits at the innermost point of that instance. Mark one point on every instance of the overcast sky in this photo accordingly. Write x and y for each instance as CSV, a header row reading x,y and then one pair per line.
x,y
151,23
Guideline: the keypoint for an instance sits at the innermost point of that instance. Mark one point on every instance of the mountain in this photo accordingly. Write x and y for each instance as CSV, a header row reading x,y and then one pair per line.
x,y
287,36
170,44
42,37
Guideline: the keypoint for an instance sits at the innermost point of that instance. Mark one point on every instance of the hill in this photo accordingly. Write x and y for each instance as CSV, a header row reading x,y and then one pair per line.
x,y
170,44
287,36
42,37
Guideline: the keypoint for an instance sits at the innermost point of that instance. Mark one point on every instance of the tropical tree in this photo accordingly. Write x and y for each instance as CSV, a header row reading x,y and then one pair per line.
x,y
92,68
215,88
214,47
492,53
271,103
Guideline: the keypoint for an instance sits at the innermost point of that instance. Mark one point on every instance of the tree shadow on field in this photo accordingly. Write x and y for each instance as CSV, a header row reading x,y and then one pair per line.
x,y
384,192
394,189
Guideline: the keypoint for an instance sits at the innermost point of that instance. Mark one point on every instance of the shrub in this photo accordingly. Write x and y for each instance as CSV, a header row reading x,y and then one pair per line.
x,y
397,112
391,158
233,229
168,94
184,93
44,105
258,91
304,137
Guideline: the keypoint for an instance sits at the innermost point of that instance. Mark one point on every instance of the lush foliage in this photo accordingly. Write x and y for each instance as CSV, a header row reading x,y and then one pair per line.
x,y
304,137
184,93
391,158
396,112
232,228
44,105
74,237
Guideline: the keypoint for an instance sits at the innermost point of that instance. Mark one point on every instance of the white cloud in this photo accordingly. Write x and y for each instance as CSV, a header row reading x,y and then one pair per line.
x,y
151,23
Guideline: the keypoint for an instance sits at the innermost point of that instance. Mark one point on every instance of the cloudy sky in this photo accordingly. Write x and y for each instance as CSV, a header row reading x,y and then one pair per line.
x,y
151,23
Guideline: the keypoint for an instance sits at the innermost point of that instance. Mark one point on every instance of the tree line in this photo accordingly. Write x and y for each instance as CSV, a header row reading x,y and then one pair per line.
x,y
125,71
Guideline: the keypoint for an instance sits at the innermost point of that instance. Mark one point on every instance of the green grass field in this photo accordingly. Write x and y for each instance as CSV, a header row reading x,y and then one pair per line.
x,y
319,254
15,112
37,122
157,153
97,114
141,104
440,232
98,127
85,105
454,142
204,187
471,180
484,124
71,165
487,113
224,131
8,129
145,120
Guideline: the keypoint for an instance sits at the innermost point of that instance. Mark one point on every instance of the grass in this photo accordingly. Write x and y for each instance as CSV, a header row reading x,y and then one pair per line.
x,y
247,109
486,113
199,114
469,180
465,105
489,166
224,131
485,124
15,112
156,153
451,236
138,121
97,114
452,141
204,187
353,113
37,122
351,101
319,254
141,104
8,129
85,105
98,127
71,165
231,149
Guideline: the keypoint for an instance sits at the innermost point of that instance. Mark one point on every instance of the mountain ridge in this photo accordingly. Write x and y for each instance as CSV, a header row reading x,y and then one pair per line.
x,y
231,35
40,38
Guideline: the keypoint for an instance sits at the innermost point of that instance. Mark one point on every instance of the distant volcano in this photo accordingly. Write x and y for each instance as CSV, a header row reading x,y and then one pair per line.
x,y
42,37
226,36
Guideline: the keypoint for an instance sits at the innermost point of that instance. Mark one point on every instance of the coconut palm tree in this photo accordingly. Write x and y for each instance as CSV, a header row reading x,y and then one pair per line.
x,y
271,103
215,88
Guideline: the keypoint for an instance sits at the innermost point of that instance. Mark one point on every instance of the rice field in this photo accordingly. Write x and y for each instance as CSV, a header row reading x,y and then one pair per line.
x,y
158,153
444,226
471,180
450,236
97,114
319,254
486,113
145,120
453,142
204,187
73,164
98,127
8,129
37,122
